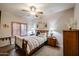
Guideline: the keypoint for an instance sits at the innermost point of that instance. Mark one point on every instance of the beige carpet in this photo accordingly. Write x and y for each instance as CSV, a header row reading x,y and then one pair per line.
x,y
4,51
44,51
49,51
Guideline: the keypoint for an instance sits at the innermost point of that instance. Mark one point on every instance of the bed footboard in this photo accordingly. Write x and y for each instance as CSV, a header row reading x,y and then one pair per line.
x,y
22,44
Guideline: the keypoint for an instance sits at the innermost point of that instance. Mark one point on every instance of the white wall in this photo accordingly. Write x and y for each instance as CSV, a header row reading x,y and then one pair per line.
x,y
76,15
7,18
59,22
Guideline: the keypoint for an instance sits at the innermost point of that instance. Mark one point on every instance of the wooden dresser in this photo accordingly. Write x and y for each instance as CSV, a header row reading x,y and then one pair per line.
x,y
71,42
52,41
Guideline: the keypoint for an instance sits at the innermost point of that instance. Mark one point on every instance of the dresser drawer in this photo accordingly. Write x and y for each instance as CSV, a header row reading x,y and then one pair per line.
x,y
52,42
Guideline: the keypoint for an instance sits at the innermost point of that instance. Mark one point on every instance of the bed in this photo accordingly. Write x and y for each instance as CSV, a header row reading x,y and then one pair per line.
x,y
30,44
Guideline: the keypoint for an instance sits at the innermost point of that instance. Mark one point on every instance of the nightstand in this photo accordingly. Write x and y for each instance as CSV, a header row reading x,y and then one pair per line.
x,y
51,41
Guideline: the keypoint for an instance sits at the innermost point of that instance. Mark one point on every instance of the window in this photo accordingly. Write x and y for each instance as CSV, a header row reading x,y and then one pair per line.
x,y
19,29
23,29
16,29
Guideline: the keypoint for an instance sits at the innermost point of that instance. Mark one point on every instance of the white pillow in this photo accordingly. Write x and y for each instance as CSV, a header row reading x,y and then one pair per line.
x,y
42,35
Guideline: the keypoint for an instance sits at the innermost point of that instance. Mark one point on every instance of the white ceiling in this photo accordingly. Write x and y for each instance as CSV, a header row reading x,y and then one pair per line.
x,y
47,8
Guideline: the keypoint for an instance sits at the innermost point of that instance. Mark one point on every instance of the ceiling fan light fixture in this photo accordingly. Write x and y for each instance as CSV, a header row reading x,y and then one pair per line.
x,y
33,11
33,8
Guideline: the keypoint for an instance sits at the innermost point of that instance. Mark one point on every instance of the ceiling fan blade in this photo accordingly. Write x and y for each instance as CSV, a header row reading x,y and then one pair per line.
x,y
40,12
25,10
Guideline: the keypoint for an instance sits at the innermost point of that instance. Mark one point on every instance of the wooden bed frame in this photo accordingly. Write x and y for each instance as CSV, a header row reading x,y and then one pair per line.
x,y
24,44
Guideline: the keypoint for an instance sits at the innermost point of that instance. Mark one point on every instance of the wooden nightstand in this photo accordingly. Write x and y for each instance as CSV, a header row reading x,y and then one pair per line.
x,y
51,41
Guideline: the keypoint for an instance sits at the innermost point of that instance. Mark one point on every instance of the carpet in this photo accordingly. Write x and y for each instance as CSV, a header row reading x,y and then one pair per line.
x,y
4,51
49,51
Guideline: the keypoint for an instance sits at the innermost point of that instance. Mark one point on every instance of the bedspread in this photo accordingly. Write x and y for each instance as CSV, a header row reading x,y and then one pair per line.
x,y
33,42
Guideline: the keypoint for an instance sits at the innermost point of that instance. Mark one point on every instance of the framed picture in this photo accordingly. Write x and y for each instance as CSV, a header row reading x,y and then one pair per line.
x,y
42,25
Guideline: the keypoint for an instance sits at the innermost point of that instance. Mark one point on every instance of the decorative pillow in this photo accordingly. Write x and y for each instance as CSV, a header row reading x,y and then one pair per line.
x,y
42,35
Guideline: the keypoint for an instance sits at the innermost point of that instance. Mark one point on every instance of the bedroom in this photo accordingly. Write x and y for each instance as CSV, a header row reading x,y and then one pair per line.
x,y
24,19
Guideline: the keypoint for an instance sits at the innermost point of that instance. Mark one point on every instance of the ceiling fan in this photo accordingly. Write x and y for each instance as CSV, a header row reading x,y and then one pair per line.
x,y
33,11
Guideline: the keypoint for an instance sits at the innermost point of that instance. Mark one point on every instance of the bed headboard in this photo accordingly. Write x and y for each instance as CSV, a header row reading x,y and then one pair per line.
x,y
43,31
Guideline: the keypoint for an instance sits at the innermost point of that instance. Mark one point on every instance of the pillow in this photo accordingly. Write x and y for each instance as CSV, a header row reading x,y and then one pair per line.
x,y
42,35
